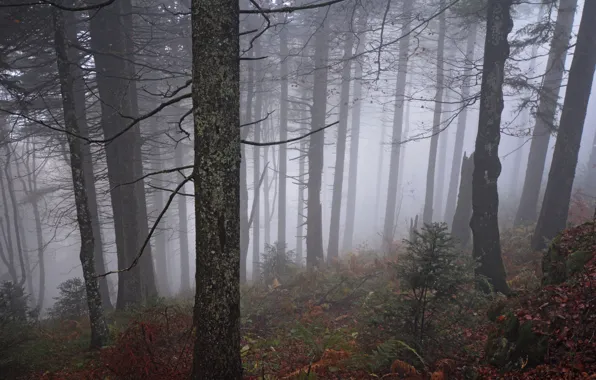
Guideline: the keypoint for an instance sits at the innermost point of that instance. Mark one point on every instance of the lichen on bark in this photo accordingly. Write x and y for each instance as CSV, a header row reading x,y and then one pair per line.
x,y
216,176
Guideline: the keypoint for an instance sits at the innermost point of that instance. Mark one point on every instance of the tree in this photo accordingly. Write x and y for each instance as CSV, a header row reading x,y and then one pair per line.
x,y
99,328
314,219
182,228
547,107
462,119
340,154
427,215
487,166
354,139
555,206
398,117
216,175
283,135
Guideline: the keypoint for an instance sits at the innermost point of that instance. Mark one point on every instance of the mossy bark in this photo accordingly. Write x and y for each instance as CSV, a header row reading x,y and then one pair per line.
x,y
216,175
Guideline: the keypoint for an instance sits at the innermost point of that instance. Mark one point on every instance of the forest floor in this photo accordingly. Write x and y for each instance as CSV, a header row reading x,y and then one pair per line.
x,y
344,323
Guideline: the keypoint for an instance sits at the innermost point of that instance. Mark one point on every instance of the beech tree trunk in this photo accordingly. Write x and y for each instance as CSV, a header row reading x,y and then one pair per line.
x,y
314,219
340,154
487,166
354,140
460,133
427,216
555,206
545,117
99,328
216,106
398,114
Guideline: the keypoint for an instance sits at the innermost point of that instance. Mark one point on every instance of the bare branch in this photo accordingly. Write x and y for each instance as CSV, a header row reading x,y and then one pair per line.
x,y
289,140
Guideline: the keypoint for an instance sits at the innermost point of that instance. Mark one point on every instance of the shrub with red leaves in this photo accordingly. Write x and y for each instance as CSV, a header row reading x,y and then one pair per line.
x,y
157,348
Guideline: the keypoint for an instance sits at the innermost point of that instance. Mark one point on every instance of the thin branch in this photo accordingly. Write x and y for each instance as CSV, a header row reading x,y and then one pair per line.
x,y
289,140
165,171
62,7
258,121
153,228
289,9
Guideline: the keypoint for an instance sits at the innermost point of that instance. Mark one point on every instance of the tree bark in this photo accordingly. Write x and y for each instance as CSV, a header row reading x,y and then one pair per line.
x,y
555,206
427,216
340,154
314,219
487,166
398,114
547,107
458,149
99,328
216,105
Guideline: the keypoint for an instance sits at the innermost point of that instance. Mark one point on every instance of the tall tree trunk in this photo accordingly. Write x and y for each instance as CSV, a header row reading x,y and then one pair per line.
x,y
340,154
283,135
427,216
148,286
182,228
266,200
244,227
216,105
400,88
314,219
81,113
487,166
545,117
460,228
590,184
160,236
460,133
442,162
17,220
7,231
99,328
402,151
109,48
354,140
555,206
380,165
256,222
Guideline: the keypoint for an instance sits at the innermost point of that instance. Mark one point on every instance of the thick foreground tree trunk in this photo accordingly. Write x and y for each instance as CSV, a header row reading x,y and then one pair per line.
x,y
216,106
555,207
487,166
398,117
547,108
99,328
